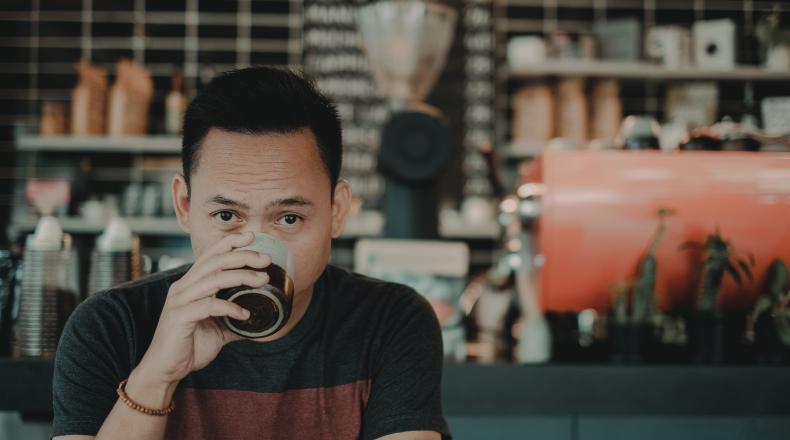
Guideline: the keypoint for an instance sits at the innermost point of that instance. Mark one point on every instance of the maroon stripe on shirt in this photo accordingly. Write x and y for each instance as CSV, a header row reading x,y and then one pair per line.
x,y
316,413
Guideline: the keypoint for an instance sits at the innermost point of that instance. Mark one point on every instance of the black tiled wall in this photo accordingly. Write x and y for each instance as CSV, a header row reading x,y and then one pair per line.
x,y
40,40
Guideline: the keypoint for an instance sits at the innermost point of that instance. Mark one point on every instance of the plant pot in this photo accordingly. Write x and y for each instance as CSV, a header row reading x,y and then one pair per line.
x,y
768,347
633,343
566,346
718,337
672,340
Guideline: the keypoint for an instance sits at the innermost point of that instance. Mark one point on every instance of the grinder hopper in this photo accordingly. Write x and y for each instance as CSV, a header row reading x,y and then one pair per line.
x,y
406,42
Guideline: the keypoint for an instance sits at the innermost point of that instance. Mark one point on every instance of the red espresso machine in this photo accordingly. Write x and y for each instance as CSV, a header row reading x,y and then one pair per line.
x,y
598,214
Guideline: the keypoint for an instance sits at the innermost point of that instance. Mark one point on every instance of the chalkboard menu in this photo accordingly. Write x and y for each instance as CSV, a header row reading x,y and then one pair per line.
x,y
332,55
479,93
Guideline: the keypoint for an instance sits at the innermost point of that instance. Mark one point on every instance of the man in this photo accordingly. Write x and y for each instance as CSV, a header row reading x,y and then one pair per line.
x,y
358,358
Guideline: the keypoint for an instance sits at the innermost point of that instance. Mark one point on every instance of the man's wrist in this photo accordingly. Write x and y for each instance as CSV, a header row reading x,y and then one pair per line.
x,y
148,391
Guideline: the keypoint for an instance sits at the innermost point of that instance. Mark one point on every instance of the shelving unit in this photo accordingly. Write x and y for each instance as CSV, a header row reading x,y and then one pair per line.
x,y
101,144
749,76
367,224
77,225
641,70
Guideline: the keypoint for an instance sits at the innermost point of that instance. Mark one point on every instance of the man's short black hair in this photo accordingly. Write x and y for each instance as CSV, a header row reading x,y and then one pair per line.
x,y
261,100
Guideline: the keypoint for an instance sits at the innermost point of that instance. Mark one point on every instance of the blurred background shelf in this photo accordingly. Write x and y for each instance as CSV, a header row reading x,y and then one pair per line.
x,y
78,225
101,144
639,70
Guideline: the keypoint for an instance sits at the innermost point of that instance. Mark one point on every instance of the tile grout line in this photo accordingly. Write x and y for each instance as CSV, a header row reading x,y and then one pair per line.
x,y
191,20
87,29
651,94
295,26
550,22
748,17
138,40
243,25
32,93
649,7
699,10
599,7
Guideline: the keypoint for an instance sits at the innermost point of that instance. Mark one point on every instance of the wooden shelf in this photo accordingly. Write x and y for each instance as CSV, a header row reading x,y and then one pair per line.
x,y
641,70
78,225
523,150
483,231
101,144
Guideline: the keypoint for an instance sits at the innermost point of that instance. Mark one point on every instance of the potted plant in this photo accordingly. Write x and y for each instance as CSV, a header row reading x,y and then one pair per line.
x,y
714,329
769,322
633,335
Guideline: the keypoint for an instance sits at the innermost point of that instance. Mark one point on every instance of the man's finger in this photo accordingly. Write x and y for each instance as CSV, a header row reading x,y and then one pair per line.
x,y
227,244
230,260
212,284
208,307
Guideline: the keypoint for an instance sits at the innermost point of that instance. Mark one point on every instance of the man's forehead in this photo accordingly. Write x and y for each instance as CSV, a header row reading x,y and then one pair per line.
x,y
219,140
257,169
268,155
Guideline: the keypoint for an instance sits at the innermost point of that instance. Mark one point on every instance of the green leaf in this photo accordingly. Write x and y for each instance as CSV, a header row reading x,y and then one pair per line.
x,y
735,275
763,304
778,280
745,268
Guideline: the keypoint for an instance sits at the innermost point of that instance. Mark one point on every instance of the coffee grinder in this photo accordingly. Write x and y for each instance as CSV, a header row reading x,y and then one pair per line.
x,y
406,43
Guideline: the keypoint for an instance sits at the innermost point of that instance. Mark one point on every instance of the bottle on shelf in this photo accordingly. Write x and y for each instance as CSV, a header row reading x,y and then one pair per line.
x,y
88,101
533,115
175,105
571,115
130,100
607,112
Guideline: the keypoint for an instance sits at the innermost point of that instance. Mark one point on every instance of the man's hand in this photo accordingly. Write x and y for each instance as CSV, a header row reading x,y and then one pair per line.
x,y
190,334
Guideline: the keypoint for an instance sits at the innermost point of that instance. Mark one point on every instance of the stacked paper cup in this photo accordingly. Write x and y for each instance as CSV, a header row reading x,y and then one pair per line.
x,y
115,259
49,290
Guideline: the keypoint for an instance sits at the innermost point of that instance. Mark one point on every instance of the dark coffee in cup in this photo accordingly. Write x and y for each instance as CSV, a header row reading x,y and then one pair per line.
x,y
270,305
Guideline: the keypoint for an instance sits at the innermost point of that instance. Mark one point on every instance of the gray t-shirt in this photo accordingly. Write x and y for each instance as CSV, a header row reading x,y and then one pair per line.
x,y
365,361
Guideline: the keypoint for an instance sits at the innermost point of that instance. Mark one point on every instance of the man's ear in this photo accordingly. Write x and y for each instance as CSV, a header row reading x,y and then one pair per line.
x,y
180,194
341,204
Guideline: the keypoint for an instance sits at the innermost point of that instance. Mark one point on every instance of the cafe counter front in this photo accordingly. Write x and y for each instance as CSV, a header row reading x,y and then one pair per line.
x,y
556,401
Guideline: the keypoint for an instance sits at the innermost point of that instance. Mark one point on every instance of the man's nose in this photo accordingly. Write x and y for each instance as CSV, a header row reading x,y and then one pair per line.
x,y
256,226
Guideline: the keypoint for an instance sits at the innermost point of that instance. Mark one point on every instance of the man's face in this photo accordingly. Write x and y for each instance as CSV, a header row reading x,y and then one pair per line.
x,y
272,183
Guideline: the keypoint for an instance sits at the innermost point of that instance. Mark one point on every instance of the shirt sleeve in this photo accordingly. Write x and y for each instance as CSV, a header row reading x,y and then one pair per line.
x,y
407,373
91,360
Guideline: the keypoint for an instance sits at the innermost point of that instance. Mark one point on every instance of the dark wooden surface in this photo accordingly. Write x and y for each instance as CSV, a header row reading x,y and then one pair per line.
x,y
516,390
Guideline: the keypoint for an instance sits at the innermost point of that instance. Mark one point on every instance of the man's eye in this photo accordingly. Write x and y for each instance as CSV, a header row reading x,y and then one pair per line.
x,y
290,219
224,216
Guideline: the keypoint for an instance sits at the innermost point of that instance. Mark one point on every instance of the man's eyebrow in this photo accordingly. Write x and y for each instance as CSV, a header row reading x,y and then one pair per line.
x,y
220,200
289,201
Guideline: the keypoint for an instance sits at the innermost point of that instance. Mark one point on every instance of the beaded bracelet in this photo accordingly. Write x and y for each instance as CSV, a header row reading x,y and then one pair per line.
x,y
137,407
